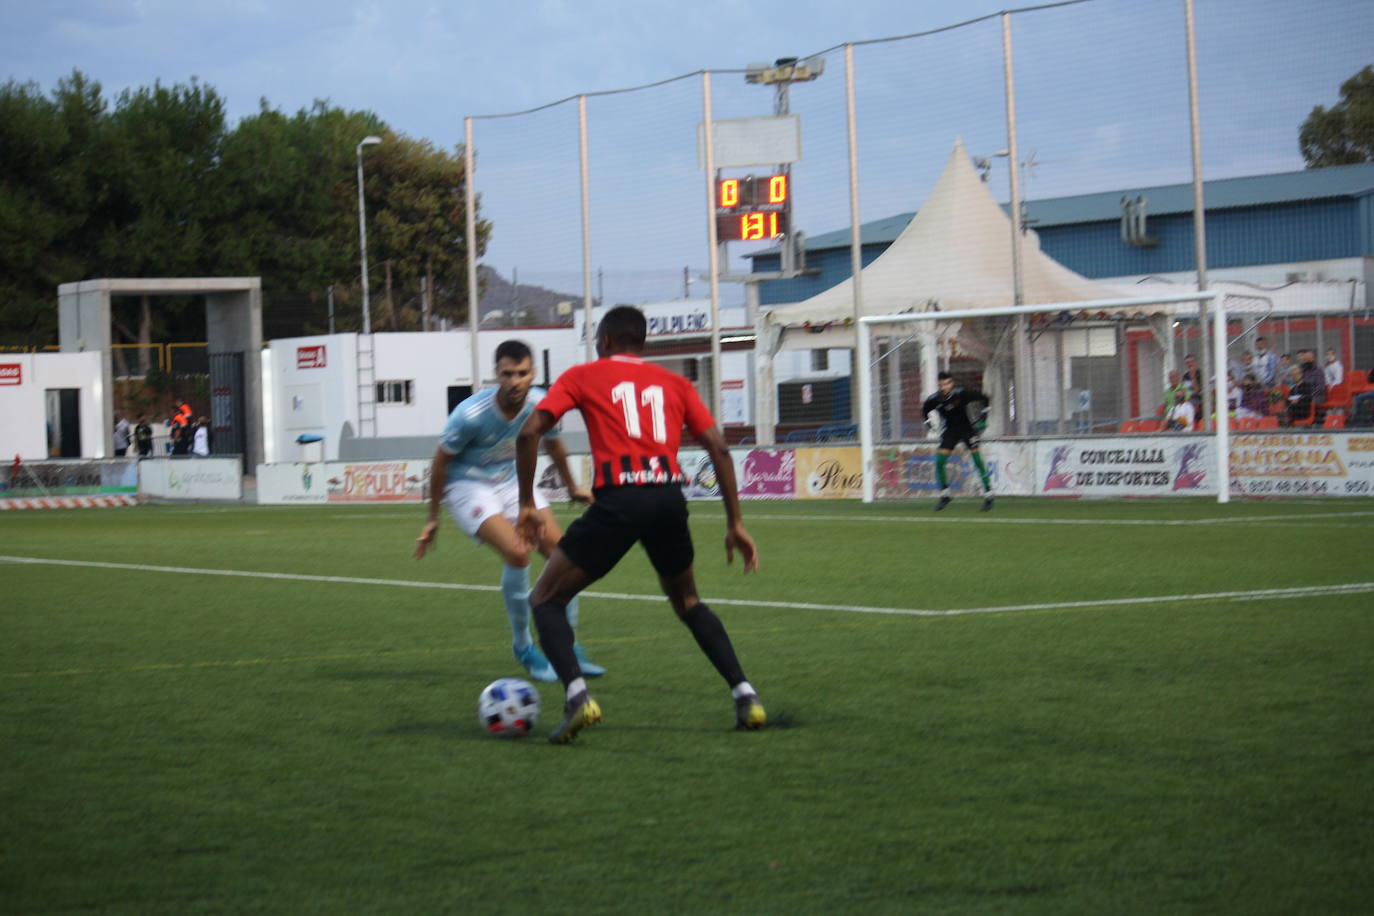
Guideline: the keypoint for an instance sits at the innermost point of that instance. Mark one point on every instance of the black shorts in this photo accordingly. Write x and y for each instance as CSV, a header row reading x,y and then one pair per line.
x,y
656,516
951,438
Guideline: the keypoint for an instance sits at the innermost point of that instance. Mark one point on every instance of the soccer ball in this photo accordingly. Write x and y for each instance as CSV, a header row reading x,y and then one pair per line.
x,y
508,708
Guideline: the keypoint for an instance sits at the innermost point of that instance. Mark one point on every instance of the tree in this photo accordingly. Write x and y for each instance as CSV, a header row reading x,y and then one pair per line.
x,y
1344,133
421,224
48,187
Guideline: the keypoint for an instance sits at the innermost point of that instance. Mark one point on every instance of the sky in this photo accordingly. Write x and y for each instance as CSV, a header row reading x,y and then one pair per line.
x,y
1101,92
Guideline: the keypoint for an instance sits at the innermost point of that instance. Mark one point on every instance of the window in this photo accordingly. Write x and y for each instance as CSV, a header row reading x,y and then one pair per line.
x,y
396,392
820,360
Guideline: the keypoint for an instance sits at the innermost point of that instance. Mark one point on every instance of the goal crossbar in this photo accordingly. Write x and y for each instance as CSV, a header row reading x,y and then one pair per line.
x,y
864,367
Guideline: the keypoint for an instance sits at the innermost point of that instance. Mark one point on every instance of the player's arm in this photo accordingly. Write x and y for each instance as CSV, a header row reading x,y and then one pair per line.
x,y
438,474
530,523
736,537
553,445
979,415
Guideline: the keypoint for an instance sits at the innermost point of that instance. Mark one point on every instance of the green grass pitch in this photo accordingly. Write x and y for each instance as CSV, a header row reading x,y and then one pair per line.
x,y
1069,707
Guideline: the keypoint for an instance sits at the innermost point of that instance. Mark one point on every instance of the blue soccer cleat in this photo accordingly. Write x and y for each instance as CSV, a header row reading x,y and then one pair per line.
x,y
536,664
589,667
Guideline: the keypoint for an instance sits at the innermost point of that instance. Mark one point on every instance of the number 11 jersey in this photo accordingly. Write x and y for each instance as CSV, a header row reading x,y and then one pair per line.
x,y
635,412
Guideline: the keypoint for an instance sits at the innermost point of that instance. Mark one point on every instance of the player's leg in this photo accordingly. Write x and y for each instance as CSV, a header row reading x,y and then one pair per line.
x,y
559,584
497,532
669,545
942,475
977,457
592,546
552,535
479,510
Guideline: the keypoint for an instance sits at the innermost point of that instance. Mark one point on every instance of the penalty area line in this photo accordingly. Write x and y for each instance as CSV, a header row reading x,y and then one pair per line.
x,y
1261,594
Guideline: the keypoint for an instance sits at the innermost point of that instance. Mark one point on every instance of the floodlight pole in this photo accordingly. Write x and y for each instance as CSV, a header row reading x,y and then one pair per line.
x,y
362,229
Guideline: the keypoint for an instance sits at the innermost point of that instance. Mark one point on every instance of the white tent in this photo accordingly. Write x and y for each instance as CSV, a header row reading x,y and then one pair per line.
x,y
955,254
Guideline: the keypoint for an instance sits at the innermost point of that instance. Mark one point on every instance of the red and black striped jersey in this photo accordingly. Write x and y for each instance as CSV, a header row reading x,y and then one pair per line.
x,y
635,412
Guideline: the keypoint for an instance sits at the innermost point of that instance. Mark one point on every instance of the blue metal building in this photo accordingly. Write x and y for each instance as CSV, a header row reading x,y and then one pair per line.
x,y
1265,221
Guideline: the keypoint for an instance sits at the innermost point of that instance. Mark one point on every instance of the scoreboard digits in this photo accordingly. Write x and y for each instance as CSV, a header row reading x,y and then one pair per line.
x,y
752,209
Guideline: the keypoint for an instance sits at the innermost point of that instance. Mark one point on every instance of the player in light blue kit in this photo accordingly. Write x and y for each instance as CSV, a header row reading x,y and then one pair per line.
x,y
473,471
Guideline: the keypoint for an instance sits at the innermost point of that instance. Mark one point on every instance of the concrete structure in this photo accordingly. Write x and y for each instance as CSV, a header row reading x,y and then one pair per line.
x,y
233,321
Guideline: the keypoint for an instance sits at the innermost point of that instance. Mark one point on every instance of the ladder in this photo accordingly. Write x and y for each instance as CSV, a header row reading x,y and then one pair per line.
x,y
367,388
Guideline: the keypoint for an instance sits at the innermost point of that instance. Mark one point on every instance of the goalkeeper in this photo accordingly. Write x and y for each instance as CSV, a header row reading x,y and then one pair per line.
x,y
952,404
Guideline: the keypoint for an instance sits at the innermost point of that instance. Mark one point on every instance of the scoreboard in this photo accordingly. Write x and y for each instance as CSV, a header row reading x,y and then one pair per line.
x,y
754,208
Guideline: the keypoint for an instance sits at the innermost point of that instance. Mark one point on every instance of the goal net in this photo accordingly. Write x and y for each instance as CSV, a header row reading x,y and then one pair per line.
x,y
1050,372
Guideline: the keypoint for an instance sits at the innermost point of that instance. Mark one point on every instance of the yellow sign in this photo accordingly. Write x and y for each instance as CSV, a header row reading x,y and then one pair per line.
x,y
829,473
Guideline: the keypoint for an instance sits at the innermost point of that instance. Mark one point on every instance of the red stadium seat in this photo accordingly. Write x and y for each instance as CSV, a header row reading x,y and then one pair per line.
x,y
1269,422
1130,426
1337,396
1334,421
1310,418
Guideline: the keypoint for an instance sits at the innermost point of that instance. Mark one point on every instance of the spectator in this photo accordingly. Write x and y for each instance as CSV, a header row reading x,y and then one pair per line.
x,y
181,439
1181,416
1285,363
1254,398
1232,393
1334,371
1266,364
121,435
1362,408
1243,366
1175,391
1193,379
1299,395
1312,374
200,438
143,437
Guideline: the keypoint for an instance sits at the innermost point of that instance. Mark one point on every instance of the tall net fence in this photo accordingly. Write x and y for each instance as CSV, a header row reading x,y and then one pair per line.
x,y
1101,112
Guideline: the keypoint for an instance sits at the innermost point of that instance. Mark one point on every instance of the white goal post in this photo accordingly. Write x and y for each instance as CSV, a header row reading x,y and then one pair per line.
x,y
913,325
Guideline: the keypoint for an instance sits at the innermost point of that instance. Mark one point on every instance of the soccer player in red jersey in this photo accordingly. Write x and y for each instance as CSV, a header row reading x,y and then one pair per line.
x,y
635,412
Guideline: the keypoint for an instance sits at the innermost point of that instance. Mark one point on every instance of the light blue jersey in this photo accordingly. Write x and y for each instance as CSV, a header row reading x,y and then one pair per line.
x,y
481,440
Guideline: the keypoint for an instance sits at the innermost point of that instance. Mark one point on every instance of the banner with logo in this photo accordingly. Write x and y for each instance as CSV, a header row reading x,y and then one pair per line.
x,y
190,478
1134,466
69,477
404,481
829,473
1302,464
908,471
768,474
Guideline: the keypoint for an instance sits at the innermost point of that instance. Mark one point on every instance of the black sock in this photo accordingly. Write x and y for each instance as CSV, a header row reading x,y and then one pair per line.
x,y
556,639
715,642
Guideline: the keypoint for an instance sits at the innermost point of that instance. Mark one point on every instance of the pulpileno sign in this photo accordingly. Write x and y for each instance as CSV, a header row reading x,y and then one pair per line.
x,y
11,374
687,323
1126,467
379,482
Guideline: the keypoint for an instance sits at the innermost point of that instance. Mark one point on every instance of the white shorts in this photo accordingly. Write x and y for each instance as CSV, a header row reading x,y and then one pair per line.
x,y
472,502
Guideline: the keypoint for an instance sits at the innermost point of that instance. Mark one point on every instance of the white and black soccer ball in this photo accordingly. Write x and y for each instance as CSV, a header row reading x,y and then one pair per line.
x,y
508,708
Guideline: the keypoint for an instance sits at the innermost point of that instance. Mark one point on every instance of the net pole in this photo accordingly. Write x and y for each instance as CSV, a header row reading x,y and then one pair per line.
x,y
470,205
1219,387
584,183
864,374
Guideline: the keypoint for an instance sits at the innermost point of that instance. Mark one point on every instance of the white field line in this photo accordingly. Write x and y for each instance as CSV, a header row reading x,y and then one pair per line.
x,y
1264,594
957,520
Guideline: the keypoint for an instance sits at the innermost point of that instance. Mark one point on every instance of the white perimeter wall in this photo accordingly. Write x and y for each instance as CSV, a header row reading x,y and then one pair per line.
x,y
23,410
303,396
